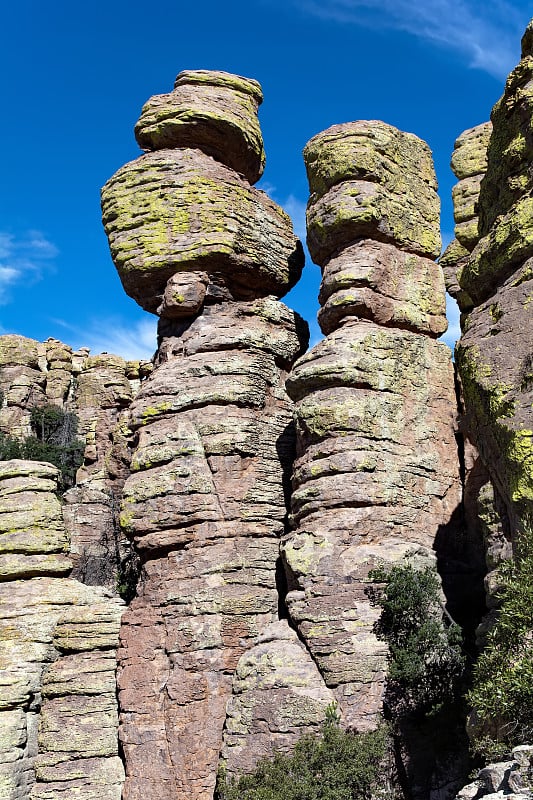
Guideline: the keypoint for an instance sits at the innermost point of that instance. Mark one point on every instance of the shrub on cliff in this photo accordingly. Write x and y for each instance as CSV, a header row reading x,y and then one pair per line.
x,y
426,661
335,765
502,689
53,439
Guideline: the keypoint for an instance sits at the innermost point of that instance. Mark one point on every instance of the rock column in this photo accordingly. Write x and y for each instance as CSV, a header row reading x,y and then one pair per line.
x,y
495,353
376,476
212,427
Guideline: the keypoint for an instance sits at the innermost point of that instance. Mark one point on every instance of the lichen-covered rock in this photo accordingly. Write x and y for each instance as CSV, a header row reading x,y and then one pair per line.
x,y
376,478
494,360
213,111
377,281
179,210
371,180
205,504
42,616
277,694
504,779
452,262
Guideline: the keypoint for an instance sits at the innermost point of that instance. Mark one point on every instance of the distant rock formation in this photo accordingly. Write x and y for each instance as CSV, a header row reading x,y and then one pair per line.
x,y
58,641
376,476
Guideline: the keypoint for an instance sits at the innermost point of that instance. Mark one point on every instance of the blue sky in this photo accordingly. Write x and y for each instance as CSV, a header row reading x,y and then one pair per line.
x,y
74,77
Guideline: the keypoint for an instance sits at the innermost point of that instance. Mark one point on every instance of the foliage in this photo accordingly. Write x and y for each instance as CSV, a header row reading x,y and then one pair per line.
x,y
53,439
502,690
426,662
335,765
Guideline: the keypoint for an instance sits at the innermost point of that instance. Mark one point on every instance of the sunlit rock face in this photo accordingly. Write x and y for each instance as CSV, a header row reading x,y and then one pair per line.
x,y
58,641
212,444
376,475
97,391
495,353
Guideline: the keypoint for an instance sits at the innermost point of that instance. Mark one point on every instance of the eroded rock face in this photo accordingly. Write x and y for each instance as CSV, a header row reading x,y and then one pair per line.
x,y
98,390
495,353
58,640
212,433
376,475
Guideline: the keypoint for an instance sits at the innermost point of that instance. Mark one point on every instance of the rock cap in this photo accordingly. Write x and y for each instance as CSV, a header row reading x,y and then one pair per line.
x,y
213,111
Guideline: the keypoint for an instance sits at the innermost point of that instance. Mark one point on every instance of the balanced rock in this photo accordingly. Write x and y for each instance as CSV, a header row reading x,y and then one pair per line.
x,y
179,210
212,111
212,437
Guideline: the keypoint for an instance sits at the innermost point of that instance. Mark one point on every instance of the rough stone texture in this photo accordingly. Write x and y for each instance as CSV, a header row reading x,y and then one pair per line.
x,y
368,179
511,779
205,506
377,281
495,364
175,210
213,111
98,389
278,694
376,478
210,431
42,617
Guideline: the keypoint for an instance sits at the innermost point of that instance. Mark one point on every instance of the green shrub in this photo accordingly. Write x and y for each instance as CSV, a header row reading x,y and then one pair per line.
x,y
502,689
426,661
335,765
53,439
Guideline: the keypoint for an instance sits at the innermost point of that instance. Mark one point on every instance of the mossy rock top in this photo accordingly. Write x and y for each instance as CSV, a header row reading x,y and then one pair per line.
x,y
469,157
368,150
215,112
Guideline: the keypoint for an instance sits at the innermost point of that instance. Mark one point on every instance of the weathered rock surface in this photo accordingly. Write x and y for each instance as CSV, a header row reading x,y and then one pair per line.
x,y
376,475
98,390
511,779
205,503
278,694
175,210
494,362
388,194
213,111
66,742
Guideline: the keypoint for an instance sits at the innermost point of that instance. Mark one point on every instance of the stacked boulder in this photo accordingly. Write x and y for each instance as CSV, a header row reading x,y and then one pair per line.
x,y
212,433
494,363
58,641
376,478
469,163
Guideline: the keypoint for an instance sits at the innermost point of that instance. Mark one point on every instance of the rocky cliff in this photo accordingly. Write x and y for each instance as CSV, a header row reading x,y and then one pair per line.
x,y
242,487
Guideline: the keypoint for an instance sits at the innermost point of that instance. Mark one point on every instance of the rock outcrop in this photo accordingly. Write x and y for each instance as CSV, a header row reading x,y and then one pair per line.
x,y
495,353
376,476
205,503
58,640
98,390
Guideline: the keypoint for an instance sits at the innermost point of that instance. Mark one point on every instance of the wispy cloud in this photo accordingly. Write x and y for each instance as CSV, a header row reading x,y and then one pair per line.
x,y
296,210
486,33
23,259
454,328
131,340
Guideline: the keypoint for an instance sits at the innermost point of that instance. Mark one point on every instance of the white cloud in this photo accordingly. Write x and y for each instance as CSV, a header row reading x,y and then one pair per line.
x,y
296,211
131,340
485,33
23,258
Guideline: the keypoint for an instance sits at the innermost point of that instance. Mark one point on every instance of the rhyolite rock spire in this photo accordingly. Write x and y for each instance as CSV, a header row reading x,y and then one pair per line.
x,y
376,475
495,352
212,438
